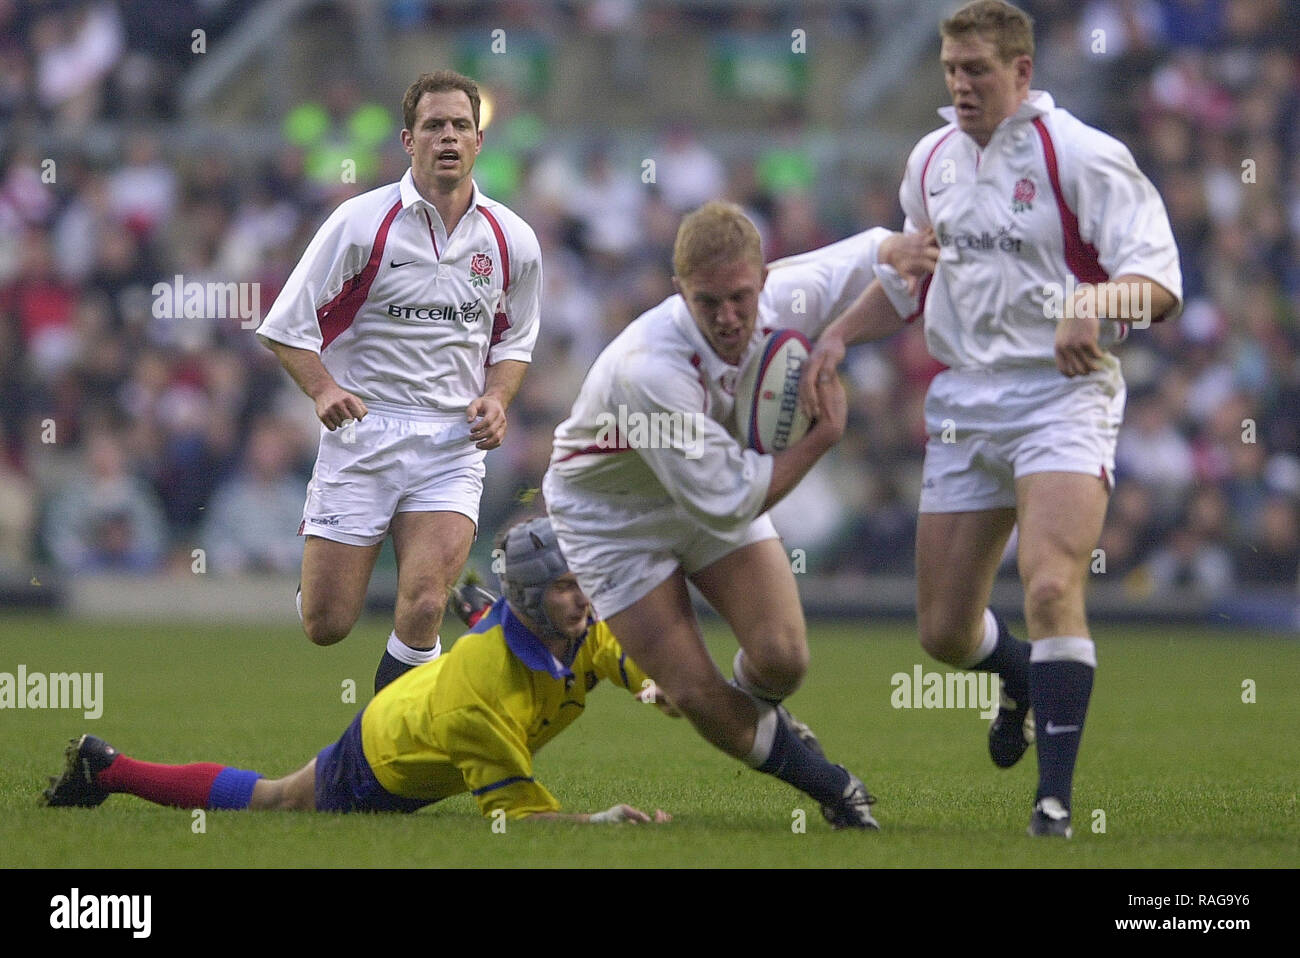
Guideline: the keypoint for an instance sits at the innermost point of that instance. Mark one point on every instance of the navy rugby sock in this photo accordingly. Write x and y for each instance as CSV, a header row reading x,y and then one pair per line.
x,y
1060,685
1010,659
399,658
389,669
792,761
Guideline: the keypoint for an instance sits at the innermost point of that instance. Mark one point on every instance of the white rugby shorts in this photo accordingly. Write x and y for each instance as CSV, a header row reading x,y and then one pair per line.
x,y
620,547
391,461
986,428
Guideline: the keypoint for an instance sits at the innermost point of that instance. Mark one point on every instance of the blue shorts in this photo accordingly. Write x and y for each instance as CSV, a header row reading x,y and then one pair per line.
x,y
345,783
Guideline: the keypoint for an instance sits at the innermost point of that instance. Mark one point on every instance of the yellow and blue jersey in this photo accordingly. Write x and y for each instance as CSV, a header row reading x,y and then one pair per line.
x,y
471,719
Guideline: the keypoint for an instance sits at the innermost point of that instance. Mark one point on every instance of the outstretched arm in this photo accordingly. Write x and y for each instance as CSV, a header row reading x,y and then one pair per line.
x,y
611,816
871,317
913,256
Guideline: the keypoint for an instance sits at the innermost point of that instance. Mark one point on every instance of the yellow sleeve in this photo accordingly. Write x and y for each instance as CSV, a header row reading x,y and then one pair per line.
x,y
492,754
613,664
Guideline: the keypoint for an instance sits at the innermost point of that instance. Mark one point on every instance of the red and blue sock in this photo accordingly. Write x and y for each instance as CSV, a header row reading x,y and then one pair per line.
x,y
200,785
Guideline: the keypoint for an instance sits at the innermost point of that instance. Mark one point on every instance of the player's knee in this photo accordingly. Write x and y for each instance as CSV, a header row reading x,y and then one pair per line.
x,y
425,606
778,664
326,627
944,637
1047,595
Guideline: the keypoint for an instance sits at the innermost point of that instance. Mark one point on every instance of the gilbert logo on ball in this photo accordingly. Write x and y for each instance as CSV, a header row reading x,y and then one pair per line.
x,y
768,417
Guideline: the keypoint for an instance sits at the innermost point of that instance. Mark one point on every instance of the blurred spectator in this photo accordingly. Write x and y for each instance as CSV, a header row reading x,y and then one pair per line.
x,y
1129,530
18,503
15,69
608,206
795,227
142,193
343,129
1269,552
1153,451
106,519
787,166
1193,23
1196,556
77,45
252,516
687,172
43,306
812,518
25,198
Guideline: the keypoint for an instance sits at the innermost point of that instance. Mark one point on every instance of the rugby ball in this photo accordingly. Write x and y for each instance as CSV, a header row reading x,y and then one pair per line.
x,y
768,417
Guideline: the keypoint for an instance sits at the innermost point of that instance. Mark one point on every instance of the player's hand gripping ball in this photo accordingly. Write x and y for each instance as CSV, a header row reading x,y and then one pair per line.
x,y
768,417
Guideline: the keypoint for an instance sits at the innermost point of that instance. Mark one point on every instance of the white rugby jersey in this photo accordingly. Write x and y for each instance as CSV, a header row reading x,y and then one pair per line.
x,y
1050,200
654,415
400,312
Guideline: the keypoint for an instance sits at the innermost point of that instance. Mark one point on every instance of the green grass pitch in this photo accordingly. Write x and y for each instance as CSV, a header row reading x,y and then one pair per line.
x,y
1180,771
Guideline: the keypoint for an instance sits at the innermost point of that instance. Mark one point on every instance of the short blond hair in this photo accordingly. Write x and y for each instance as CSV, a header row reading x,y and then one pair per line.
x,y
1008,28
713,235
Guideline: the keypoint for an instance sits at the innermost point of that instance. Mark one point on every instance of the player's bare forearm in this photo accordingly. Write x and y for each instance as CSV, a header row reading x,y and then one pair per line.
x,y
1125,299
872,316
487,413
504,379
334,404
303,365
613,816
789,466
1135,298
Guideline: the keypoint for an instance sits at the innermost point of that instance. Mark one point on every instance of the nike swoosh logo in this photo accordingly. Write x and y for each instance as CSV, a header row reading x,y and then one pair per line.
x,y
1060,729
937,192
393,265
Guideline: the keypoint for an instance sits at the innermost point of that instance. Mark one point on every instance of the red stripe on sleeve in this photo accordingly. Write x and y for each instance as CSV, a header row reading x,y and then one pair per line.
x,y
1080,257
337,315
500,322
501,245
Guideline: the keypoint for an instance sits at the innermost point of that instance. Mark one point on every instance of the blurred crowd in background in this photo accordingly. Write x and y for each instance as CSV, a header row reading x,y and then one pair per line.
x,y
129,439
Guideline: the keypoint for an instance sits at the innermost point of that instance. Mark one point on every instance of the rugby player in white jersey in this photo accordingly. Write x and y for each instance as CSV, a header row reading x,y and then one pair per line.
x,y
410,321
1052,243
638,514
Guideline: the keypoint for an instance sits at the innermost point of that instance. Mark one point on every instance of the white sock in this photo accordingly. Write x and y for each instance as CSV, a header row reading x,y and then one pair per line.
x,y
1064,648
743,682
404,653
297,600
764,735
987,644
